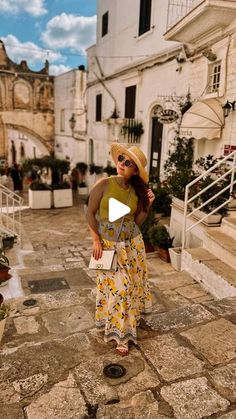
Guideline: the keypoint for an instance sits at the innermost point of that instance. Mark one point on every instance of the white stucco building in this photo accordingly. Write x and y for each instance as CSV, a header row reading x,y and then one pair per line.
x,y
70,115
153,53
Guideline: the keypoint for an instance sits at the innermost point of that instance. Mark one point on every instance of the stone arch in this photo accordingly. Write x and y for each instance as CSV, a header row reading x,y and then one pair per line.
x,y
40,140
22,95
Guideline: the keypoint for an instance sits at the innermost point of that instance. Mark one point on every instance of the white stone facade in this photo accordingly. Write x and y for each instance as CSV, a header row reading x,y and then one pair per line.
x,y
69,93
162,70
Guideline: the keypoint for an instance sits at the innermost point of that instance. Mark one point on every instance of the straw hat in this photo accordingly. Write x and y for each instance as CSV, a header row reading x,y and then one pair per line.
x,y
135,153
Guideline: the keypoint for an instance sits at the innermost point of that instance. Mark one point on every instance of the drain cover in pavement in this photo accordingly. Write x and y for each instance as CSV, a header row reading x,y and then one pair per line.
x,y
46,285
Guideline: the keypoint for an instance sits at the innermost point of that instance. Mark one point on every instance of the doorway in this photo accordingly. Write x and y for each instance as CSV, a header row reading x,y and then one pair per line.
x,y
155,157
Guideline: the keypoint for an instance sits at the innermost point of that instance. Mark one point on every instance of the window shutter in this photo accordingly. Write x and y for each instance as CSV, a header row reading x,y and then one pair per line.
x,y
105,24
145,16
130,98
98,107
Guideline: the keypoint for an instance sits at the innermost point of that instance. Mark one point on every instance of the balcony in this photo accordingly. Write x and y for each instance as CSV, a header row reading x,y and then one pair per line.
x,y
196,22
125,131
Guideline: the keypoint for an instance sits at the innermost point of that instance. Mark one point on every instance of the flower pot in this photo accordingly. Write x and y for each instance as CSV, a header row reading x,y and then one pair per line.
x,y
40,199
149,247
232,205
2,327
83,191
62,198
213,219
175,257
163,254
4,276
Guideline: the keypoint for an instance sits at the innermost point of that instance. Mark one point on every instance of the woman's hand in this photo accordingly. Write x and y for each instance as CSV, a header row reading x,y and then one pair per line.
x,y
97,249
151,197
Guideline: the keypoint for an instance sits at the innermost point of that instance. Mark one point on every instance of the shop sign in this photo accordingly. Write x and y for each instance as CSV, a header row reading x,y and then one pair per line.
x,y
167,116
228,149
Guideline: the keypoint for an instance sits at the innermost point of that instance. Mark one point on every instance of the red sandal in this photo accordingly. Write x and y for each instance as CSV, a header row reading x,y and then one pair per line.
x,y
122,349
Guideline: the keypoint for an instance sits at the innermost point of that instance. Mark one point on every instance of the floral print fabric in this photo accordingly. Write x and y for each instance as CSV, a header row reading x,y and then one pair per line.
x,y
123,297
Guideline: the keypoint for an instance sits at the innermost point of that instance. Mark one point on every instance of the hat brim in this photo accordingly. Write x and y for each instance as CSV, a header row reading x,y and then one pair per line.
x,y
117,149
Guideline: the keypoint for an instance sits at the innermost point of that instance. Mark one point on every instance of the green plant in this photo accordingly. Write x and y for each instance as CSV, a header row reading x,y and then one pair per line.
x,y
133,128
4,311
93,168
159,236
179,167
4,261
82,168
110,170
209,193
162,202
82,185
37,185
150,221
62,185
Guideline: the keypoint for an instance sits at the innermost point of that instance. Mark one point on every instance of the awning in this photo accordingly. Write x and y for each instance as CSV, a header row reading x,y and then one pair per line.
x,y
204,119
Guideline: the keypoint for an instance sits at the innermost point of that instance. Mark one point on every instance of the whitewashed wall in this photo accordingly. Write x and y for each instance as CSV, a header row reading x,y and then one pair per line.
x,y
69,96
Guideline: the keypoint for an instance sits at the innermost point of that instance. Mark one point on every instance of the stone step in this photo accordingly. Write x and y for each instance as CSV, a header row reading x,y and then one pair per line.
x,y
216,277
221,245
228,226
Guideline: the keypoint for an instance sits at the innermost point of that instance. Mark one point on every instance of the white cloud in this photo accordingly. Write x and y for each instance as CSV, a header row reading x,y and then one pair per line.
x,y
18,51
70,31
55,69
32,7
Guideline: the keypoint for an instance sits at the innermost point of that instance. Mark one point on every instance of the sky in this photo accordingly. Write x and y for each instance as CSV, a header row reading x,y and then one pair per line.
x,y
57,30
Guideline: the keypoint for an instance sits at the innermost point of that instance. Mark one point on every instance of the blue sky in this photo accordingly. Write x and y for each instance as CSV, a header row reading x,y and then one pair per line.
x,y
59,30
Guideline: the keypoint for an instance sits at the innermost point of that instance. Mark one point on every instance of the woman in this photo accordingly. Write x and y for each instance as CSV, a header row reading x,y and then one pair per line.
x,y
122,296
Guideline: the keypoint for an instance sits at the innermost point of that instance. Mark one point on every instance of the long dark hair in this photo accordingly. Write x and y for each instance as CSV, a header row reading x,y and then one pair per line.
x,y
141,191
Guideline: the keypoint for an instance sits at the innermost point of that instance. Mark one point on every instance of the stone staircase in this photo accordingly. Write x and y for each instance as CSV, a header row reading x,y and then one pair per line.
x,y
214,264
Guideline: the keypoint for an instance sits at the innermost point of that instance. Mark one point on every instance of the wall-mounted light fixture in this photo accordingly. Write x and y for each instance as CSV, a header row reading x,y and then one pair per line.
x,y
228,107
72,122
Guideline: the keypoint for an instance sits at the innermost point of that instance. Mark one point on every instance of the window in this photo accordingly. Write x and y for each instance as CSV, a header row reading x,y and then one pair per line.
x,y
130,96
145,16
105,24
98,107
214,77
62,120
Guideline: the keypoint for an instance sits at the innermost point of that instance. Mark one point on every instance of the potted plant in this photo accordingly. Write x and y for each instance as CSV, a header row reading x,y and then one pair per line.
x,y
110,170
160,238
4,312
175,257
62,195
40,195
8,241
4,268
150,221
162,202
82,169
179,169
214,204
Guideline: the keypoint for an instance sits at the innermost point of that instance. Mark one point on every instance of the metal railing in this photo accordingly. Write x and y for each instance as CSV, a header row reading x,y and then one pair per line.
x,y
10,212
131,131
177,9
188,212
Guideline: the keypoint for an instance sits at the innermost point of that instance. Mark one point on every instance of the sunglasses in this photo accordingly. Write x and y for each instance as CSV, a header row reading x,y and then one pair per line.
x,y
127,162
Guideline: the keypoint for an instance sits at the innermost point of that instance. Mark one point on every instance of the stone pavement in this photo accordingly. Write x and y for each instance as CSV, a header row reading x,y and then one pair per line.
x,y
52,358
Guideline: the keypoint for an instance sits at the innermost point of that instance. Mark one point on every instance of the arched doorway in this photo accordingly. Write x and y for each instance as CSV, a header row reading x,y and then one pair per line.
x,y
156,143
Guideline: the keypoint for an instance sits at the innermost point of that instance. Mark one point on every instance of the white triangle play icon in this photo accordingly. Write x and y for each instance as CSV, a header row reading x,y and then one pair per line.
x,y
116,209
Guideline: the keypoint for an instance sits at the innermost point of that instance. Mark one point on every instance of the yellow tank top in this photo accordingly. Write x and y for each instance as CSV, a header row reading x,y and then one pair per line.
x,y
116,191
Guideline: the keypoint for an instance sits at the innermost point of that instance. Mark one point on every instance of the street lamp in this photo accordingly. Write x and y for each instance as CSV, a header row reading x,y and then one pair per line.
x,y
228,107
72,122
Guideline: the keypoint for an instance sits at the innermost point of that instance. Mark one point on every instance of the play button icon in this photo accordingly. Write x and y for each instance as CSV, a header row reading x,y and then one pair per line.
x,y
116,210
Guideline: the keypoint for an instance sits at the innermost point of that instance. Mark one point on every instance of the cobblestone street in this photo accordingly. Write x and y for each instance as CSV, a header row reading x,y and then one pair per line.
x,y
52,357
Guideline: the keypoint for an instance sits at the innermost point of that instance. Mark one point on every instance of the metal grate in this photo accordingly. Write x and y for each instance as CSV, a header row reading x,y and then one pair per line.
x,y
47,285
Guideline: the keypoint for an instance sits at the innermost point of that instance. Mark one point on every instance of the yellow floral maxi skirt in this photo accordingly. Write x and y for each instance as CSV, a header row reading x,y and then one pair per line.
x,y
123,297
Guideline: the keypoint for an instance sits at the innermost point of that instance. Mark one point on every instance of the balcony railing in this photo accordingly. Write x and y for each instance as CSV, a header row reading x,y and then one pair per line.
x,y
177,9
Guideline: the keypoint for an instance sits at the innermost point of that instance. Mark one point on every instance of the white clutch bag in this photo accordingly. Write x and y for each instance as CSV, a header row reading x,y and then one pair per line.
x,y
108,261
